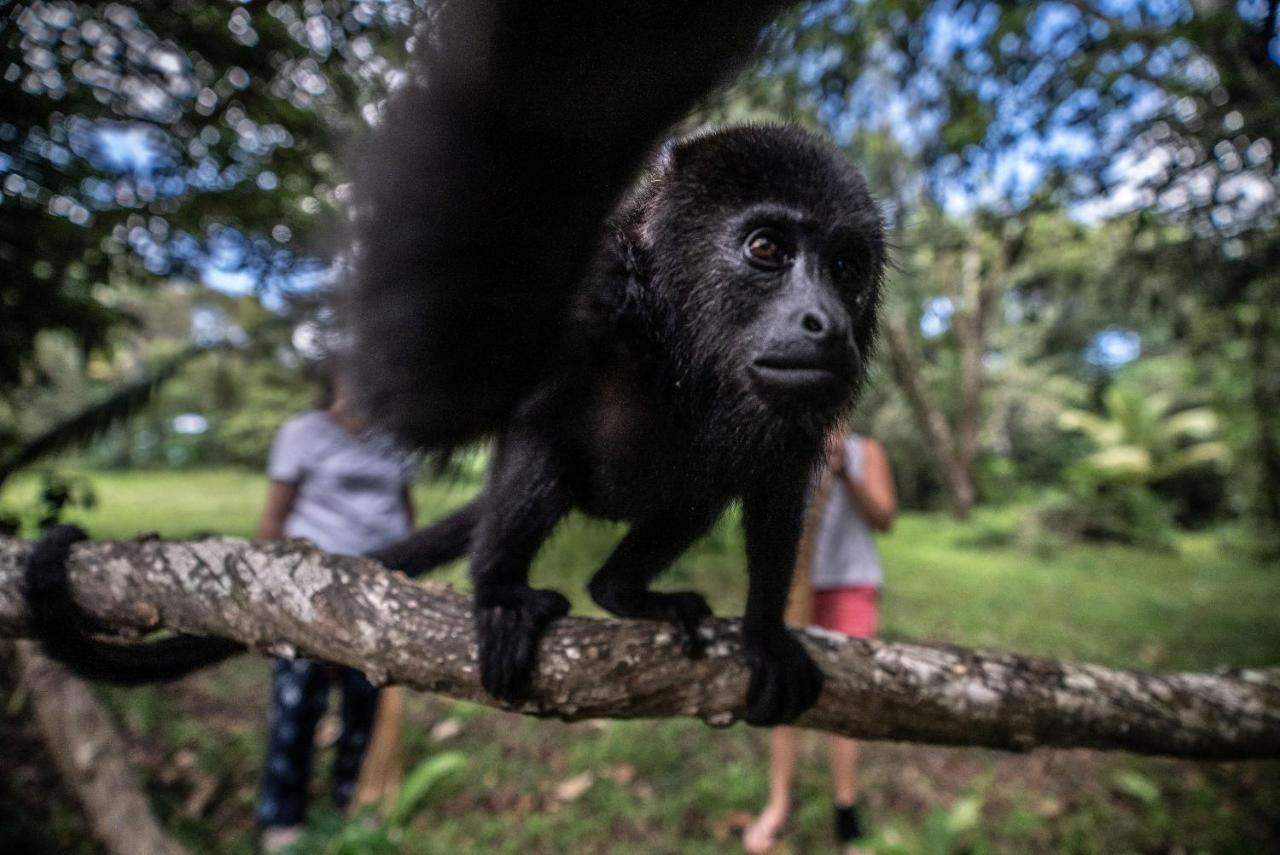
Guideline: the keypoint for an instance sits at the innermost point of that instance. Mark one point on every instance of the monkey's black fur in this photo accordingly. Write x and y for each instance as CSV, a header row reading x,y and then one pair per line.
x,y
482,198
721,329
650,360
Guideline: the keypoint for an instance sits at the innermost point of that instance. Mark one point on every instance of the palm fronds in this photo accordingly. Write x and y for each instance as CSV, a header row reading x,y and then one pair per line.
x,y
94,420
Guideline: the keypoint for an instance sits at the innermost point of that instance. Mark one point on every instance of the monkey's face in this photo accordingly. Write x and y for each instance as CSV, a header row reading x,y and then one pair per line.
x,y
768,250
804,291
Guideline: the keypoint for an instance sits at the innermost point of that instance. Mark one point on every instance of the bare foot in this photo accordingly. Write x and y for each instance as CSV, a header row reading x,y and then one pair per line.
x,y
279,838
763,834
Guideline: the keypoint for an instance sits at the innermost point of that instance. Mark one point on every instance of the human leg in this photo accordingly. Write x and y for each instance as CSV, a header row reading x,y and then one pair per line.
x,y
359,706
763,832
299,693
853,611
842,755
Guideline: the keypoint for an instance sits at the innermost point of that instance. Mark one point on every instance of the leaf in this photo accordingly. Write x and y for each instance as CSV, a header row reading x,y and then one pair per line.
x,y
570,789
1137,786
426,777
446,729
1214,453
1199,423
964,815
1122,459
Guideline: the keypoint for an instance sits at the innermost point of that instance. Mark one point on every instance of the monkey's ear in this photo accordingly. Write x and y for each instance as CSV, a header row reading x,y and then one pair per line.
x,y
665,162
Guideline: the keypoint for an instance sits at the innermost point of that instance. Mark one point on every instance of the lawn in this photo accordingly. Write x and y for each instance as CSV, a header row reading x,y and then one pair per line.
x,y
677,786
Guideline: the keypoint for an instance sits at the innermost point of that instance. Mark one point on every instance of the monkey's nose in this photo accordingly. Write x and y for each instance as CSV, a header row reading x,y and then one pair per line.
x,y
815,323
818,325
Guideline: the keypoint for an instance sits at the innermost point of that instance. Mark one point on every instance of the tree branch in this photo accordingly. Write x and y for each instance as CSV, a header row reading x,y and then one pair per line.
x,y
290,598
89,753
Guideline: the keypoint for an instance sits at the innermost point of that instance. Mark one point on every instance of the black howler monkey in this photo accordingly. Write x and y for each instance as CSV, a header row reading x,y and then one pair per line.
x,y
721,328
651,359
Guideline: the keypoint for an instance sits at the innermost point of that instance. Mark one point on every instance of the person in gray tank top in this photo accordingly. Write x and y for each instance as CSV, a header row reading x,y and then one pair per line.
x,y
837,586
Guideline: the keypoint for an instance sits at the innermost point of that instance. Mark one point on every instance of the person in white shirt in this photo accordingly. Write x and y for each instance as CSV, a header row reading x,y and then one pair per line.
x,y
348,491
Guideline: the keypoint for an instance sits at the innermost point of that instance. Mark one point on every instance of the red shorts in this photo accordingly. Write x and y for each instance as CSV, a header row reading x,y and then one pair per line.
x,y
853,611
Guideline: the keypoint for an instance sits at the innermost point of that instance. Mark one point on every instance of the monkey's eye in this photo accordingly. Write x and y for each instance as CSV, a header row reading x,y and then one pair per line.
x,y
844,268
764,248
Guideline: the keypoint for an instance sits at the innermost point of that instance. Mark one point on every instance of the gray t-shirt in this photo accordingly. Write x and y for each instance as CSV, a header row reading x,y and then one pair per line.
x,y
350,488
844,553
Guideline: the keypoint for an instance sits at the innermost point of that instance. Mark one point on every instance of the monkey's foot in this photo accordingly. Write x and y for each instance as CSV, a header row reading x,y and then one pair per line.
x,y
685,610
509,623
784,681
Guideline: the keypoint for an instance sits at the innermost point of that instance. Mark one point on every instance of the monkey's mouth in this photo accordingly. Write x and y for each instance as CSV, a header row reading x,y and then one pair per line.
x,y
793,375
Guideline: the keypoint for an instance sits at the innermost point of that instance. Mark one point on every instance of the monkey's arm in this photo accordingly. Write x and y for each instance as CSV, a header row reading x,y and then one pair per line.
x,y
784,680
485,188
527,498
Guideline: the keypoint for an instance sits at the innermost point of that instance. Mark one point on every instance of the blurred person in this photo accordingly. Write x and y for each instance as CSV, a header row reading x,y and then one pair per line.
x,y
347,490
837,586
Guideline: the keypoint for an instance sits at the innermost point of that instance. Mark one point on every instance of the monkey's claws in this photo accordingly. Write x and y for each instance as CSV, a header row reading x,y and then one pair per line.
x,y
784,681
509,624
686,611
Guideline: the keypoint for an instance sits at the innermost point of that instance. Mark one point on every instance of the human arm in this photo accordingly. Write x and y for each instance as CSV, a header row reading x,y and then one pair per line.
x,y
870,490
410,513
280,499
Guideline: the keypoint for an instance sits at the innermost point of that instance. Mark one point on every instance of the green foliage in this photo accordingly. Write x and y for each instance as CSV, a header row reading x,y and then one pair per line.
x,y
423,783
1104,510
238,108
57,494
91,422
1154,458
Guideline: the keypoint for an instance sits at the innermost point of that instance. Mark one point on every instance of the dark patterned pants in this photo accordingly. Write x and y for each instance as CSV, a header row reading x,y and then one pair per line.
x,y
299,695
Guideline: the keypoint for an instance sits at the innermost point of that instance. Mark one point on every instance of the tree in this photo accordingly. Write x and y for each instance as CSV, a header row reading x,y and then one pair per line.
x,y
152,139
1167,108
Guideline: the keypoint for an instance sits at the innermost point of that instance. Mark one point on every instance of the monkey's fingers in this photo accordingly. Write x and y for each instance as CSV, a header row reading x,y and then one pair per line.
x,y
508,638
686,611
784,683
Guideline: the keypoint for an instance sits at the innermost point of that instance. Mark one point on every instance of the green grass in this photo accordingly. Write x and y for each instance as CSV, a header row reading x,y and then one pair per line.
x,y
677,786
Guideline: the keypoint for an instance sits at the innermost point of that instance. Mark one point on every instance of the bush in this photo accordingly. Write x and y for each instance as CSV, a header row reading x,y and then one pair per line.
x,y
1107,511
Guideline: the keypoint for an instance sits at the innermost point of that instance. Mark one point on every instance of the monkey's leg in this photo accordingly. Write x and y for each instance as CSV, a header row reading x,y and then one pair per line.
x,y
526,499
784,679
439,543
621,586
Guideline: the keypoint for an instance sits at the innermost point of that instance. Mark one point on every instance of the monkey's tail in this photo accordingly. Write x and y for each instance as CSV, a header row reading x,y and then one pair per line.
x,y
427,548
59,624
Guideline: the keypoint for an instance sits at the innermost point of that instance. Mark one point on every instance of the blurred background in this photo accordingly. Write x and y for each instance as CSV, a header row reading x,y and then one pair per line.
x,y
1077,385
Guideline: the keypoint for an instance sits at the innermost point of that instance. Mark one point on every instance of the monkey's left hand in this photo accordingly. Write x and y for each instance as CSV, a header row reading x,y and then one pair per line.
x,y
784,681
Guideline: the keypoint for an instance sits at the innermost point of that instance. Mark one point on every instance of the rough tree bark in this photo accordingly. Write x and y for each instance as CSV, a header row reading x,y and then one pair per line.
x,y
290,598
904,359
89,753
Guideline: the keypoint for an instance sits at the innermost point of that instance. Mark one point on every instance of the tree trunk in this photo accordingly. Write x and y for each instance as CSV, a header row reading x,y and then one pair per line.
x,y
905,362
1265,396
88,750
289,598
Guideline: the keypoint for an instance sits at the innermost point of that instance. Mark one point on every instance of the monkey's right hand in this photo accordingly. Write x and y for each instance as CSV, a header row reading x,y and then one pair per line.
x,y
784,680
509,623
